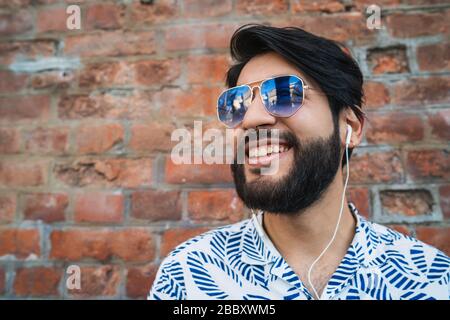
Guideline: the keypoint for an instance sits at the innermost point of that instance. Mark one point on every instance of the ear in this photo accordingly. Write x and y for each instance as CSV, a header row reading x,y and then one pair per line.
x,y
356,124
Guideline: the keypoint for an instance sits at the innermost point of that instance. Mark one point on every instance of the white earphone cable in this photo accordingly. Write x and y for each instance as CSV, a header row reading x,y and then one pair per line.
x,y
337,225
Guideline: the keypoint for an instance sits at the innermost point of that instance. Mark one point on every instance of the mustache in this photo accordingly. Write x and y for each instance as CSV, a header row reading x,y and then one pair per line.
x,y
285,136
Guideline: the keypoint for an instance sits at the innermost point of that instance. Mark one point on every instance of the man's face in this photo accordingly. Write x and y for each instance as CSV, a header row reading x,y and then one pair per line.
x,y
309,138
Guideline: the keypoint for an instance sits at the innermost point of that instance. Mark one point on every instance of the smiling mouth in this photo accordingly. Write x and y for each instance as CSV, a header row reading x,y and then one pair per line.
x,y
264,152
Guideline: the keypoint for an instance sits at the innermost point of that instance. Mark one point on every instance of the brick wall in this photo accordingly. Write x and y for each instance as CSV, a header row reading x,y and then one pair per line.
x,y
86,117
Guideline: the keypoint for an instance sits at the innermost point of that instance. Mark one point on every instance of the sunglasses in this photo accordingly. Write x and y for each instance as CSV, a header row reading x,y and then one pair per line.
x,y
282,96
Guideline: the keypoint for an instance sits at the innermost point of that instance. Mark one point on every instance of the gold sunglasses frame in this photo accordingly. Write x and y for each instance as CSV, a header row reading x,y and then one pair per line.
x,y
304,85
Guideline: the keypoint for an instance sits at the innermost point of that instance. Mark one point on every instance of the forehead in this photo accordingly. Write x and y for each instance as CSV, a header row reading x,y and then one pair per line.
x,y
265,66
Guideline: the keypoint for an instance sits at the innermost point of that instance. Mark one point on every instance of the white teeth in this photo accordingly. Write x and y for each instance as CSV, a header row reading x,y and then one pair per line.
x,y
264,151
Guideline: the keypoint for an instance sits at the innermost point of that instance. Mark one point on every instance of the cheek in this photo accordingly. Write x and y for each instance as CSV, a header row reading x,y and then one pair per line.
x,y
311,121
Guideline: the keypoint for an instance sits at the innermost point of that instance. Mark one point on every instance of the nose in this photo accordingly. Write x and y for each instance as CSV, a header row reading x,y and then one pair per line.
x,y
257,114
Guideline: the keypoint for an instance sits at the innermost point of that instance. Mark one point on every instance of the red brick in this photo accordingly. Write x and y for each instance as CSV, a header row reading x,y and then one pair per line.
x,y
394,128
378,167
175,236
136,105
9,140
376,95
37,281
49,207
428,164
444,194
134,245
388,60
194,102
16,22
8,205
24,108
406,202
327,6
104,74
107,136
154,136
20,243
14,4
185,37
440,124
105,16
346,26
52,19
140,280
114,43
438,237
197,173
262,7
127,173
363,4
206,8
215,205
434,57
43,2
144,72
102,244
419,2
156,205
207,68
421,91
46,140
142,15
400,228
23,173
12,82
408,25
27,50
62,79
99,207
360,198
150,72
97,281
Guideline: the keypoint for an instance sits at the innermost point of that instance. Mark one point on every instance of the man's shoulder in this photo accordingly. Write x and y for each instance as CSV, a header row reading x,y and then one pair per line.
x,y
209,240
413,255
192,254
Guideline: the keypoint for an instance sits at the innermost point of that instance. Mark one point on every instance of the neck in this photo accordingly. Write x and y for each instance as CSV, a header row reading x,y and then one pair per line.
x,y
304,235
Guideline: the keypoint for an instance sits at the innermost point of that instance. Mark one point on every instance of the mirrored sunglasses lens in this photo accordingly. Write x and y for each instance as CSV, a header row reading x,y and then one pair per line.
x,y
232,105
282,96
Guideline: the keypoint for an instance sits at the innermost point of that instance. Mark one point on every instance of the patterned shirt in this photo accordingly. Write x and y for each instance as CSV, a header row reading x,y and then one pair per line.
x,y
239,261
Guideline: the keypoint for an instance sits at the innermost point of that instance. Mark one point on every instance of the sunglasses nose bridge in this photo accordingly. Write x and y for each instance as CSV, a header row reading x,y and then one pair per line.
x,y
253,95
256,113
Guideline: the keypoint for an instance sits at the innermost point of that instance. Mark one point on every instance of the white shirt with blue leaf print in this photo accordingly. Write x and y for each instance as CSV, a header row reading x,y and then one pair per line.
x,y
239,261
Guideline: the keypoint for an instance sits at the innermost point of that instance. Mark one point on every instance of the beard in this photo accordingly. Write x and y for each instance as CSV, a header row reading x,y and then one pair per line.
x,y
313,169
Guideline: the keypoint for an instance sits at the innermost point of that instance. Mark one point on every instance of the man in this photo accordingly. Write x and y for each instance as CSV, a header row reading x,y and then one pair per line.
x,y
302,242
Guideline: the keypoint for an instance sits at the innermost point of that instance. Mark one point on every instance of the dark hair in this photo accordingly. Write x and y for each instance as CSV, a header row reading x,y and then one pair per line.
x,y
325,61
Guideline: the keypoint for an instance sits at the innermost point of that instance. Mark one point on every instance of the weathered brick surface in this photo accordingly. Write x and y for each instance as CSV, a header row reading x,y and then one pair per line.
x,y
86,118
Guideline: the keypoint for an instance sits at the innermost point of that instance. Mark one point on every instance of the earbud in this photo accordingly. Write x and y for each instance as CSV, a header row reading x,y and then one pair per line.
x,y
349,135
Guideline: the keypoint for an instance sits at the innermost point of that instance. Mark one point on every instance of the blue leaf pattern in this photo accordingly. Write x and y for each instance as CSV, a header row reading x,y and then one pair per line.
x,y
239,261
